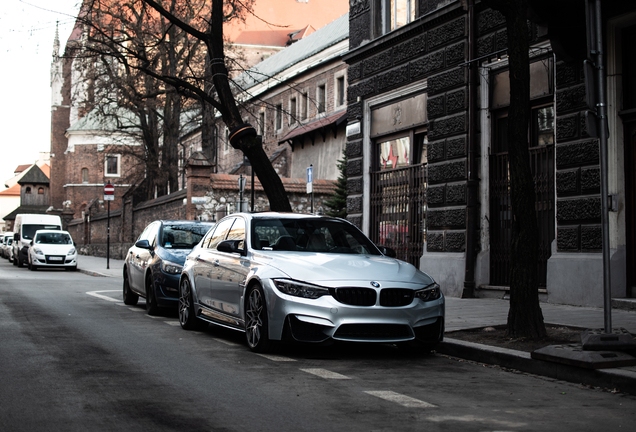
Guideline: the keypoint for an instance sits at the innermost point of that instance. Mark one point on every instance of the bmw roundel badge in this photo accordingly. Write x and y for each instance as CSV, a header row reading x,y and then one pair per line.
x,y
375,284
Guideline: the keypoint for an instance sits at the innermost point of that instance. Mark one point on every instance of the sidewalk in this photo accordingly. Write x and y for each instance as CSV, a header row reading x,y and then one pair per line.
x,y
462,314
96,266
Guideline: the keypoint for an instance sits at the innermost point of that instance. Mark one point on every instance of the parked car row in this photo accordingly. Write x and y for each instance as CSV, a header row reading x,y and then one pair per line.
x,y
284,277
6,246
39,241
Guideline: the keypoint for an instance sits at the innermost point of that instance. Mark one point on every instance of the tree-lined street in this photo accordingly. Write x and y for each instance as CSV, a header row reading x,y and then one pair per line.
x,y
75,357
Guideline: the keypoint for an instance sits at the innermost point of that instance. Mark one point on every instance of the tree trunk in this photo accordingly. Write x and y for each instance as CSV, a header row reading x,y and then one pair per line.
x,y
524,317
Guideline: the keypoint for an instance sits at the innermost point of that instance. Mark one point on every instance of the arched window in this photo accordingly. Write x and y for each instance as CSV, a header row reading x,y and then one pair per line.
x,y
28,189
84,175
41,191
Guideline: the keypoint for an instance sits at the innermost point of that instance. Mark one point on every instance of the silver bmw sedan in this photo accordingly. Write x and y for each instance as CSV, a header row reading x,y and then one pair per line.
x,y
306,278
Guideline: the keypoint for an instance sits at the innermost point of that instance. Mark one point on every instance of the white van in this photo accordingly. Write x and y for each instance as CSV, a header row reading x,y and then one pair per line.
x,y
24,229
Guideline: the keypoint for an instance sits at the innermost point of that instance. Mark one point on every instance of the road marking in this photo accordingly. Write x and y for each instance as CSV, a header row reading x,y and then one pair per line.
x,y
276,358
401,399
324,373
103,297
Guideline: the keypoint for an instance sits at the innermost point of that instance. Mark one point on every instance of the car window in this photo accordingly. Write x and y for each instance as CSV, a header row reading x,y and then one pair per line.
x,y
237,232
150,233
220,232
53,238
182,236
310,235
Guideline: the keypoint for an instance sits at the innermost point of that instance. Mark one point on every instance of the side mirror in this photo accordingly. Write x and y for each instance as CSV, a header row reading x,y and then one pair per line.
x,y
388,251
231,246
31,243
143,244
16,237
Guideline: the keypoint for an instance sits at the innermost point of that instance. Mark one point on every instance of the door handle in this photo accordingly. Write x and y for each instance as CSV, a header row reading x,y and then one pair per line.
x,y
216,263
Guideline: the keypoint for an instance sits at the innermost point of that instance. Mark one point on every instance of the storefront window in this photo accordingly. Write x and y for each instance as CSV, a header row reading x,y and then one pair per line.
x,y
394,153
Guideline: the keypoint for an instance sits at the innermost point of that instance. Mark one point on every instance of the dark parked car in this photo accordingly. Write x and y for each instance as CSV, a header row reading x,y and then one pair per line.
x,y
153,265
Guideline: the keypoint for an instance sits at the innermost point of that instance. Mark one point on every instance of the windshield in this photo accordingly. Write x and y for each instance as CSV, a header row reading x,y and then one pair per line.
x,y
183,236
310,235
28,231
53,238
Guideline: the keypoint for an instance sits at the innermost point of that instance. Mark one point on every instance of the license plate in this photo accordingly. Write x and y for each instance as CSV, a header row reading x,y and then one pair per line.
x,y
55,258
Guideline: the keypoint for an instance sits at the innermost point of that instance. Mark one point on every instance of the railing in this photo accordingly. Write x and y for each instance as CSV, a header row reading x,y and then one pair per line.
x,y
542,166
398,216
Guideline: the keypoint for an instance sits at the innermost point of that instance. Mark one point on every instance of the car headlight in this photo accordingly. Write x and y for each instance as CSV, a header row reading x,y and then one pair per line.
x,y
431,292
38,251
71,252
171,268
300,289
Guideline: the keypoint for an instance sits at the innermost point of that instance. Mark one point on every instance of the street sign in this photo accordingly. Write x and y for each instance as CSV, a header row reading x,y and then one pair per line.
x,y
310,179
109,192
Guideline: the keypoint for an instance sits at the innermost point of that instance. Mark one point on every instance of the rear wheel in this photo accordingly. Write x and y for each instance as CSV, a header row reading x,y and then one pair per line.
x,y
187,317
130,298
256,330
152,308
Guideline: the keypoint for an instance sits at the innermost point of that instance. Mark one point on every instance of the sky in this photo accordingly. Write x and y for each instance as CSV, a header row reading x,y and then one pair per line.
x,y
27,32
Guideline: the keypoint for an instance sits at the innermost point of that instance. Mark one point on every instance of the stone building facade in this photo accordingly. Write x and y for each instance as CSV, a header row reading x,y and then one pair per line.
x,y
428,99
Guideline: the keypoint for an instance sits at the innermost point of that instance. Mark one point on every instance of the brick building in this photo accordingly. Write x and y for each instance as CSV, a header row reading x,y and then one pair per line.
x,y
428,100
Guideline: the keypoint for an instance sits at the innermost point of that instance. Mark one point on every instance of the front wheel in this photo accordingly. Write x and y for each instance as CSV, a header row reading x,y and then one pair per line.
x,y
187,316
152,308
130,298
256,330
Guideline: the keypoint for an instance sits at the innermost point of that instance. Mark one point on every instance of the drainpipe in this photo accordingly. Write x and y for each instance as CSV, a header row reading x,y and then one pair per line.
x,y
473,180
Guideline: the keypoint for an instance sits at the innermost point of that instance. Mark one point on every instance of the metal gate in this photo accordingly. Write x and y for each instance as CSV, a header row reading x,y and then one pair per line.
x,y
398,210
542,166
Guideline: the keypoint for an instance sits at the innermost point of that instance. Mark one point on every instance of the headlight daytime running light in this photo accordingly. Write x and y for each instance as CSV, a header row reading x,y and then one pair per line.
x,y
38,251
299,289
170,267
431,292
71,252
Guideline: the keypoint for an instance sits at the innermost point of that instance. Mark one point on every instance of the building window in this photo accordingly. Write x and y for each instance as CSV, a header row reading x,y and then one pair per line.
x,y
340,91
320,97
393,14
112,166
40,191
393,153
28,189
279,116
292,111
84,175
304,100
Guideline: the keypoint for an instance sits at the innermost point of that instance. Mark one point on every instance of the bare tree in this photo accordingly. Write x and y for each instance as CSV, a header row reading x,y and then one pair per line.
x,y
130,103
525,318
202,22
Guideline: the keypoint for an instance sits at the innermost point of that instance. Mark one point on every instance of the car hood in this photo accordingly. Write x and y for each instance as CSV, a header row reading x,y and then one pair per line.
x,y
54,249
177,256
334,269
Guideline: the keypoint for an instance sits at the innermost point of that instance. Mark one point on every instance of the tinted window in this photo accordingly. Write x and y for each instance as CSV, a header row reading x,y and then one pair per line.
x,y
182,236
53,238
220,232
310,235
28,231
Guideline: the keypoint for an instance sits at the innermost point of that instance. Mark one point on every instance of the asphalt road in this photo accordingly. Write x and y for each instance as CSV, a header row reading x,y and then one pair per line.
x,y
75,358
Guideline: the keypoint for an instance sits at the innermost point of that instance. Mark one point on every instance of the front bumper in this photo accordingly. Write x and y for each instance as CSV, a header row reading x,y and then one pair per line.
x,y
55,260
317,320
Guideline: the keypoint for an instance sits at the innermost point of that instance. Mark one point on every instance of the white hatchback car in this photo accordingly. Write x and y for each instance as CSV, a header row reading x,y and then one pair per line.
x,y
52,248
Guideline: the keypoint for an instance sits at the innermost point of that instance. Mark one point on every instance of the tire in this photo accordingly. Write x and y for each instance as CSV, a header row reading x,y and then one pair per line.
x,y
130,298
187,316
20,263
256,321
152,308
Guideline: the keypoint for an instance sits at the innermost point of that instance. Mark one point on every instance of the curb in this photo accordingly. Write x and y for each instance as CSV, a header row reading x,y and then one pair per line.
x,y
620,379
92,273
